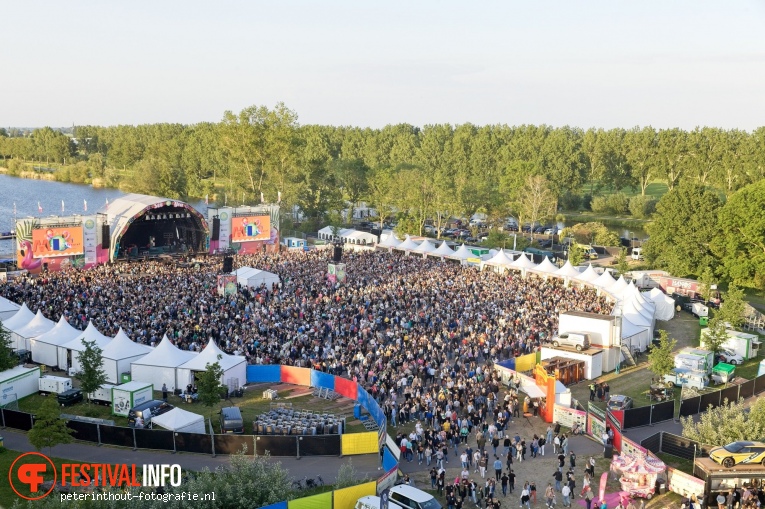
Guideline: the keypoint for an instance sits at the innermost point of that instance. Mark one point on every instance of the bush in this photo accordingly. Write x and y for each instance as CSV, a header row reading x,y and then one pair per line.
x,y
618,203
599,205
641,207
587,202
570,201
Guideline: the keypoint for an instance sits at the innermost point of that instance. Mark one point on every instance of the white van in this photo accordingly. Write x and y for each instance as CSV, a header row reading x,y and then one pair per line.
x,y
578,340
637,253
402,496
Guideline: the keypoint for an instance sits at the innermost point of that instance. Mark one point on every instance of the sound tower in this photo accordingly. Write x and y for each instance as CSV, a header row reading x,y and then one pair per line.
x,y
228,264
337,254
216,229
105,236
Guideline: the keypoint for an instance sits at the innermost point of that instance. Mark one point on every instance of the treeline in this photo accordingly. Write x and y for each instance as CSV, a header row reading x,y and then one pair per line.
x,y
262,150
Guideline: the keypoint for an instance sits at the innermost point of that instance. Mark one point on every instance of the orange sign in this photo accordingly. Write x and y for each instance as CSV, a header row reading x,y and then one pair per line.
x,y
247,228
58,241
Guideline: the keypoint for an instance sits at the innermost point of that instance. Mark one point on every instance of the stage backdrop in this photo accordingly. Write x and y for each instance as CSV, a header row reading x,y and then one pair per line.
x,y
249,228
56,242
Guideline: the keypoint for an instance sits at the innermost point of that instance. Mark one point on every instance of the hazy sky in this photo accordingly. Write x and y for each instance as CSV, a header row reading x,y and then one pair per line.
x,y
583,63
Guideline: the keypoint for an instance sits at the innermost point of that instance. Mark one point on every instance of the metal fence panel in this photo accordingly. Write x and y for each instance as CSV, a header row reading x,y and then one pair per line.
x,y
154,439
729,393
652,443
639,416
663,411
86,431
711,398
690,406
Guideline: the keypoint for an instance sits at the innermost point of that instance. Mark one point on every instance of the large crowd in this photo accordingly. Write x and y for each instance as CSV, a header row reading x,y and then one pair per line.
x,y
394,320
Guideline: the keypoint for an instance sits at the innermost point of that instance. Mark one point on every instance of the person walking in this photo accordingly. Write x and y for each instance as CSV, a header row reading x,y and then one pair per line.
x,y
572,459
588,496
483,465
497,468
556,444
550,496
504,482
592,391
542,442
511,480
558,476
566,496
525,498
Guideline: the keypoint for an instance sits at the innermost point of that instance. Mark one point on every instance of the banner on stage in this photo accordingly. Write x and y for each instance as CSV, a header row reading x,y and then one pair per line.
x,y
57,241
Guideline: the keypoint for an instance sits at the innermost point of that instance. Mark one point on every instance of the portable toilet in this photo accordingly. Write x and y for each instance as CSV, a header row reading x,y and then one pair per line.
x,y
294,242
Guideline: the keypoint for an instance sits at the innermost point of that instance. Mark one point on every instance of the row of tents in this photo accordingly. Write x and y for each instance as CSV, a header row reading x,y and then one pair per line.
x,y
59,344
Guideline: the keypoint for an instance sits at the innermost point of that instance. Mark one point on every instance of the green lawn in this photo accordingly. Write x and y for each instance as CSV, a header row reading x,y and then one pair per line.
x,y
251,405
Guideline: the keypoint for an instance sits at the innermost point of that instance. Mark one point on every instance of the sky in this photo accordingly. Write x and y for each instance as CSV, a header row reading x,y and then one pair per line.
x,y
680,63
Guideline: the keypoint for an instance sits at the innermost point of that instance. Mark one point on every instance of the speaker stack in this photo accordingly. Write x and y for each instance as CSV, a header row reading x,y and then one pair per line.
x,y
337,253
228,264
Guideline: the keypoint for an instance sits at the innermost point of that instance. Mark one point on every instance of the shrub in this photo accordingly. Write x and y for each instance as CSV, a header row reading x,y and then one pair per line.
x,y
570,201
587,202
618,203
642,207
599,205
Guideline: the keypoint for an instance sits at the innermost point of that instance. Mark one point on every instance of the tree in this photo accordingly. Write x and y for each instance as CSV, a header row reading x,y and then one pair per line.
x,y
351,176
92,374
575,254
536,201
622,265
348,476
729,422
49,428
208,383
660,358
685,223
716,335
706,281
733,307
740,240
8,359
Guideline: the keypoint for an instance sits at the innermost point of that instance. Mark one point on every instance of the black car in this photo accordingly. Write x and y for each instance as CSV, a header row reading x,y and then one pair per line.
x,y
69,397
540,229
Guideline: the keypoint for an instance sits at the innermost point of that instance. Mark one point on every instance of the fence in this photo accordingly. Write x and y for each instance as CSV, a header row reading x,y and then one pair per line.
x,y
647,415
675,445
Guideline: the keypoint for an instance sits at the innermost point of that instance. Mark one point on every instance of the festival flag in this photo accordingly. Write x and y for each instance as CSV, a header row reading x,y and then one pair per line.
x,y
262,199
62,206
85,204
278,197
207,199
39,207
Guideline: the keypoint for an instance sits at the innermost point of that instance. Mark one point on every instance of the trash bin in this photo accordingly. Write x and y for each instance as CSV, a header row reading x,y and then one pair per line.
x,y
608,453
704,321
125,378
357,411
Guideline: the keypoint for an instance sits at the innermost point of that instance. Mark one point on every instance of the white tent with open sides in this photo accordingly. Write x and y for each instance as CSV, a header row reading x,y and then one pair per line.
x,y
234,366
20,319
159,366
407,245
21,336
249,276
119,354
180,421
69,353
443,251
463,253
45,346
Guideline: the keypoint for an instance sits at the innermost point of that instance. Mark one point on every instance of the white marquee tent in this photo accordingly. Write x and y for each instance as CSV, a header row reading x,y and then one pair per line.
x,y
407,245
523,263
500,260
234,366
389,242
604,280
617,289
119,353
589,275
69,353
19,320
7,309
567,271
45,346
443,251
425,247
249,276
665,305
634,336
463,253
159,366
545,267
180,421
38,325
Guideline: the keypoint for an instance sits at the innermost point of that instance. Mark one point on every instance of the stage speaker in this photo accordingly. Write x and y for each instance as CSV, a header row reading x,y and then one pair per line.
x,y
228,264
105,236
337,254
216,229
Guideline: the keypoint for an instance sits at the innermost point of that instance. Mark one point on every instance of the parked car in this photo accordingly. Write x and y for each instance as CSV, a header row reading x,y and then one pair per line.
x,y
731,357
551,231
619,402
578,340
539,229
511,227
147,410
738,452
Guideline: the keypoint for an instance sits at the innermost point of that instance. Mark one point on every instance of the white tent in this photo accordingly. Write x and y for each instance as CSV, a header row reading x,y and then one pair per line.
x,y
567,271
21,336
463,253
499,260
631,312
180,421
604,280
632,294
351,236
22,317
645,303
407,245
635,336
546,267
589,275
119,354
443,250
234,366
523,263
69,353
390,241
248,276
45,346
159,366
617,289
665,305
7,309
425,247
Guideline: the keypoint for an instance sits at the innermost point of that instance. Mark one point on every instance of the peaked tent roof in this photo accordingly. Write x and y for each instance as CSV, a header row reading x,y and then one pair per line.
x,y
604,280
634,315
618,287
407,245
589,275
37,326
523,263
500,259
546,266
251,276
209,355
122,347
443,250
22,317
567,270
390,241
645,303
61,333
463,253
425,247
8,308
89,334
167,355
629,329
178,419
